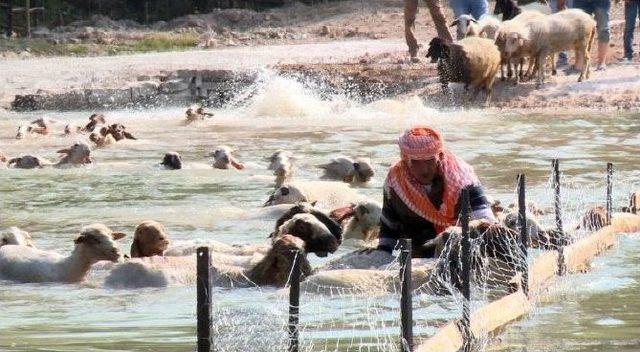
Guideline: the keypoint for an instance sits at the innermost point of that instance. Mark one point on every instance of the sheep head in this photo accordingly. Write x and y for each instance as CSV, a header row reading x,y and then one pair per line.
x,y
463,27
77,154
364,170
3,158
634,203
316,236
438,49
275,267
514,42
98,118
149,239
172,161
15,236
98,241
286,194
223,157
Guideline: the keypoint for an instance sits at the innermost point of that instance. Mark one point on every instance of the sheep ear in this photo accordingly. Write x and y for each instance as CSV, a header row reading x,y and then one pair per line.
x,y
79,239
135,248
313,204
454,23
64,151
118,235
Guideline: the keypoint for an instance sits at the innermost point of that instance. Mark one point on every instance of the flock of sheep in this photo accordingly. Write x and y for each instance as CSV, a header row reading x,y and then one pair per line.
x,y
307,222
529,32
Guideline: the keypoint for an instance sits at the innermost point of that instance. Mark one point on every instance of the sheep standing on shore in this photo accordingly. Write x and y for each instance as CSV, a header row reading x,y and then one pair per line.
x,y
565,30
473,61
467,26
510,9
25,264
515,24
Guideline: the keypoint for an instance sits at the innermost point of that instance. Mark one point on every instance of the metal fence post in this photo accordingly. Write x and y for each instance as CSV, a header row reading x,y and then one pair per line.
x,y
205,342
558,208
406,307
609,192
466,269
294,304
524,236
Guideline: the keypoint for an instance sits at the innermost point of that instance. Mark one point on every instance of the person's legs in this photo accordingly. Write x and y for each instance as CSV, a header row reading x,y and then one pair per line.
x,y
478,8
410,10
459,7
602,22
631,9
435,9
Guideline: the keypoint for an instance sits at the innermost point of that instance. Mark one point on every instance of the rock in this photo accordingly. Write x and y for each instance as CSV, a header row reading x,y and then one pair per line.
x,y
173,86
25,55
144,78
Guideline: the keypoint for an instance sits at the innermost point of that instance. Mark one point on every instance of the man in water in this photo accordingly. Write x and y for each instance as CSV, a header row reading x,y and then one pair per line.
x,y
422,192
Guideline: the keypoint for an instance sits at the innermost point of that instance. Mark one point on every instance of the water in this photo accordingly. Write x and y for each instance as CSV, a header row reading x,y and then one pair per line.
x,y
126,186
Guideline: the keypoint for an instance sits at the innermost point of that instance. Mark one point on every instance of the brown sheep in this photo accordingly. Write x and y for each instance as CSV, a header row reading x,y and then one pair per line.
x,y
149,239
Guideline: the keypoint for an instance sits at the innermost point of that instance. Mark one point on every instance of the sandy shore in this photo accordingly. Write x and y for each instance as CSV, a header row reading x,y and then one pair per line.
x,y
365,61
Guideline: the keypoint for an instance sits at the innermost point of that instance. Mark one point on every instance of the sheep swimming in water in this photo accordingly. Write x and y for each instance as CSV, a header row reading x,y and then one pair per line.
x,y
172,161
347,170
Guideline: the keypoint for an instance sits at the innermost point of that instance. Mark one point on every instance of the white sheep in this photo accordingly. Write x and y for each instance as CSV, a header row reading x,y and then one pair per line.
x,y
467,26
515,24
77,154
328,195
281,163
271,270
348,170
565,30
361,220
25,264
15,236
473,61
223,157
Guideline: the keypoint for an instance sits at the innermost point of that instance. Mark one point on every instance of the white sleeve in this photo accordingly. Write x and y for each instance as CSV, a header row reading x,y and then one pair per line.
x,y
484,213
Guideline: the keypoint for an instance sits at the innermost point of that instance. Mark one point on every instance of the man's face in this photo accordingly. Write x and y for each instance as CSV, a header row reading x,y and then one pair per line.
x,y
424,171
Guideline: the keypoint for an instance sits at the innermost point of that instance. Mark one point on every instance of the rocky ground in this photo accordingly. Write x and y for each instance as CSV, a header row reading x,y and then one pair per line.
x,y
354,47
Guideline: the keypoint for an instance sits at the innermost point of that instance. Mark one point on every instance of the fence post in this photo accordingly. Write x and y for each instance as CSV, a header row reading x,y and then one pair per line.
x,y
466,271
609,192
524,236
406,306
556,185
9,19
294,304
205,342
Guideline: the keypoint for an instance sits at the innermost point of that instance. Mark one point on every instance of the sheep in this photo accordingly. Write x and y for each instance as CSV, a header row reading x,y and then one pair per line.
x,y
593,219
118,131
634,201
94,120
77,154
149,239
28,162
565,30
467,26
362,220
539,236
308,208
473,61
328,195
25,264
223,157
198,114
316,236
510,9
15,236
3,158
100,140
172,161
281,163
271,270
495,257
347,170
514,24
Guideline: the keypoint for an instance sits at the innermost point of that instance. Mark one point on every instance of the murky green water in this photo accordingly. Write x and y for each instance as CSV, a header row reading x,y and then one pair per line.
x,y
597,312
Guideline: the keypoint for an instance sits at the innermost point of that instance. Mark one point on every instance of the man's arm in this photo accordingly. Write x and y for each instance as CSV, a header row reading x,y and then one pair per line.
x,y
480,205
390,225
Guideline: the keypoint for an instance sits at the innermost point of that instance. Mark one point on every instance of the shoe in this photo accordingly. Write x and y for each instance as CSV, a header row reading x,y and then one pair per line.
x,y
601,67
562,61
570,70
625,60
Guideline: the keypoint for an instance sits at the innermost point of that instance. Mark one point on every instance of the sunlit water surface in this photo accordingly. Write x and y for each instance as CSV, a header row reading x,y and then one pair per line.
x,y
593,312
